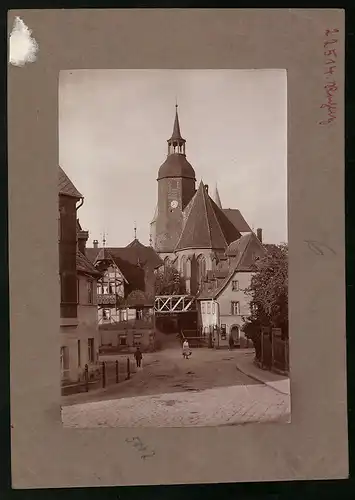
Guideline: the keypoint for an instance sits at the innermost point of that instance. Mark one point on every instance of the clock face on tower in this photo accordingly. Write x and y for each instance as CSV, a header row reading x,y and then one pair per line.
x,y
173,204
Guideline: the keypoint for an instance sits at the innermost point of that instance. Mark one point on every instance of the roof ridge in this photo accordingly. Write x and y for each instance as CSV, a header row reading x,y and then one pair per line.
x,y
206,215
217,221
192,201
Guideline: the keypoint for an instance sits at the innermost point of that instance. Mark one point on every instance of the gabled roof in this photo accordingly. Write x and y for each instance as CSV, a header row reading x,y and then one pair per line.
x,y
237,219
66,187
243,262
135,253
206,225
84,266
133,261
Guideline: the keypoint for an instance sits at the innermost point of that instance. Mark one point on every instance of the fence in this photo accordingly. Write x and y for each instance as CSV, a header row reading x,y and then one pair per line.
x,y
274,352
108,373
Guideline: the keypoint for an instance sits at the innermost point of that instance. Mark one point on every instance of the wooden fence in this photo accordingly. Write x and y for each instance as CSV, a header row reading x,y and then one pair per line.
x,y
109,373
274,353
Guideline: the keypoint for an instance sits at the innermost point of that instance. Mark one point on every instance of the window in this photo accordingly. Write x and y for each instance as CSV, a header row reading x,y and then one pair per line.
x,y
79,354
235,286
213,307
123,340
64,359
90,293
235,309
91,352
110,288
208,307
137,339
203,307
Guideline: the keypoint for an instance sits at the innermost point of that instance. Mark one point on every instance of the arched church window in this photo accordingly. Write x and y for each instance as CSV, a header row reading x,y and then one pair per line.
x,y
183,266
201,268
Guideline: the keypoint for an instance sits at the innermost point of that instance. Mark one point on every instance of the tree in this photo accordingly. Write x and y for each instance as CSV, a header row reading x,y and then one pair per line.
x,y
169,282
268,292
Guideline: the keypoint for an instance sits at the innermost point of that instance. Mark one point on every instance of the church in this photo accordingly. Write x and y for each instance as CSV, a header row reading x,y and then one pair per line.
x,y
190,229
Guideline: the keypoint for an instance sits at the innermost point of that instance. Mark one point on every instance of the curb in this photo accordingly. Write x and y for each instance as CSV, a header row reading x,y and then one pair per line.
x,y
257,379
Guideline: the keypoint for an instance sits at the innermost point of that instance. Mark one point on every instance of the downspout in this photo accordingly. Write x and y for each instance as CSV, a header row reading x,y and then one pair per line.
x,y
81,203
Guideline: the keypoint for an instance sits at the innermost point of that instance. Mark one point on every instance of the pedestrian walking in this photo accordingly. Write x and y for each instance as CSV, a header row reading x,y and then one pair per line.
x,y
186,349
138,356
231,342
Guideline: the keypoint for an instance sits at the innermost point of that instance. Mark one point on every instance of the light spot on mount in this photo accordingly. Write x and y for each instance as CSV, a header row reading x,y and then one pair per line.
x,y
23,47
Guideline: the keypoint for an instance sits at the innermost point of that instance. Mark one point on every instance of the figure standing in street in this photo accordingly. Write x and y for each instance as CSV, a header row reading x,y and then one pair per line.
x,y
231,342
138,356
186,349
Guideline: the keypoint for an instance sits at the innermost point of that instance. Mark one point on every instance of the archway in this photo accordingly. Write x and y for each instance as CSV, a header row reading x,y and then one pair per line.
x,y
234,333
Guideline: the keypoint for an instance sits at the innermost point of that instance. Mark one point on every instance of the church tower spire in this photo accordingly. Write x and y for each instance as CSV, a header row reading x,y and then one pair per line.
x,y
216,197
176,144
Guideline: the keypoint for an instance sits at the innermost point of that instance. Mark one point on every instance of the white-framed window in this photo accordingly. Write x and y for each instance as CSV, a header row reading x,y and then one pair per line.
x,y
213,307
235,308
123,339
208,307
203,307
235,285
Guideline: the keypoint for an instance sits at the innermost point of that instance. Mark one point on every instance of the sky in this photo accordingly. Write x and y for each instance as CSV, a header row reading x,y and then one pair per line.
x,y
113,132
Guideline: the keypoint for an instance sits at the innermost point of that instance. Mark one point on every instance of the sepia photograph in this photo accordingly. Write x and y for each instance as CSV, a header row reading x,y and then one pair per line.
x,y
173,248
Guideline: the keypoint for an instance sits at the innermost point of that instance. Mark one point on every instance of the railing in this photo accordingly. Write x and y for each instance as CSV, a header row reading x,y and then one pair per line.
x,y
107,373
164,304
107,299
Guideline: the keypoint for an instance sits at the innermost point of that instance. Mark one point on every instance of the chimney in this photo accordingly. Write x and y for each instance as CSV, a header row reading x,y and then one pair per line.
x,y
259,234
83,236
96,243
206,187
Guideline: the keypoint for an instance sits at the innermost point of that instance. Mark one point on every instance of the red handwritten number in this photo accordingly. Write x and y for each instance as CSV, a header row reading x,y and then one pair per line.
x,y
329,43
330,61
330,52
330,70
328,32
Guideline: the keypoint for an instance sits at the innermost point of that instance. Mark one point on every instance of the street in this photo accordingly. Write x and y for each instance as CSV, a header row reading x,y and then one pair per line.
x,y
206,390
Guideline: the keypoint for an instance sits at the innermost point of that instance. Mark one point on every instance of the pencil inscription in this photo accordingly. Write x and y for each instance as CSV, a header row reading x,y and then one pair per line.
x,y
137,443
330,85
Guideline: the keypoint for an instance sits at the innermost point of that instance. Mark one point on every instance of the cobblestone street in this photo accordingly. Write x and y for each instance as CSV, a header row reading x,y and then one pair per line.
x,y
206,390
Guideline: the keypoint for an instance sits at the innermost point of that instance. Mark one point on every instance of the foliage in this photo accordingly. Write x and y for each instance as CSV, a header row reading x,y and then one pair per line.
x,y
169,282
268,292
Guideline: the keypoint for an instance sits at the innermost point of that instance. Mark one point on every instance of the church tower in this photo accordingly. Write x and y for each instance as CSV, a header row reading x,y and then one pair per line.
x,y
176,187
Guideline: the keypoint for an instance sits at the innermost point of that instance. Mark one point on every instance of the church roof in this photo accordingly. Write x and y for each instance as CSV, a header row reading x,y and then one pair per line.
x,y
206,225
176,135
216,197
176,165
237,219
66,187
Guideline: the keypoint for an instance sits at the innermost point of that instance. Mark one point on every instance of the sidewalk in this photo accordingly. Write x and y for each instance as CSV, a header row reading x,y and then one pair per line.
x,y
246,365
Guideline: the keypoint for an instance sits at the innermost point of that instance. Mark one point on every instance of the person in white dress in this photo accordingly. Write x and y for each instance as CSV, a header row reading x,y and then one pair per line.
x,y
186,349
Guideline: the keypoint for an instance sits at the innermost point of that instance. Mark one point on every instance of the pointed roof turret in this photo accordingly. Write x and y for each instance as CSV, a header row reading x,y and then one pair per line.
x,y
216,197
176,164
206,225
176,135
